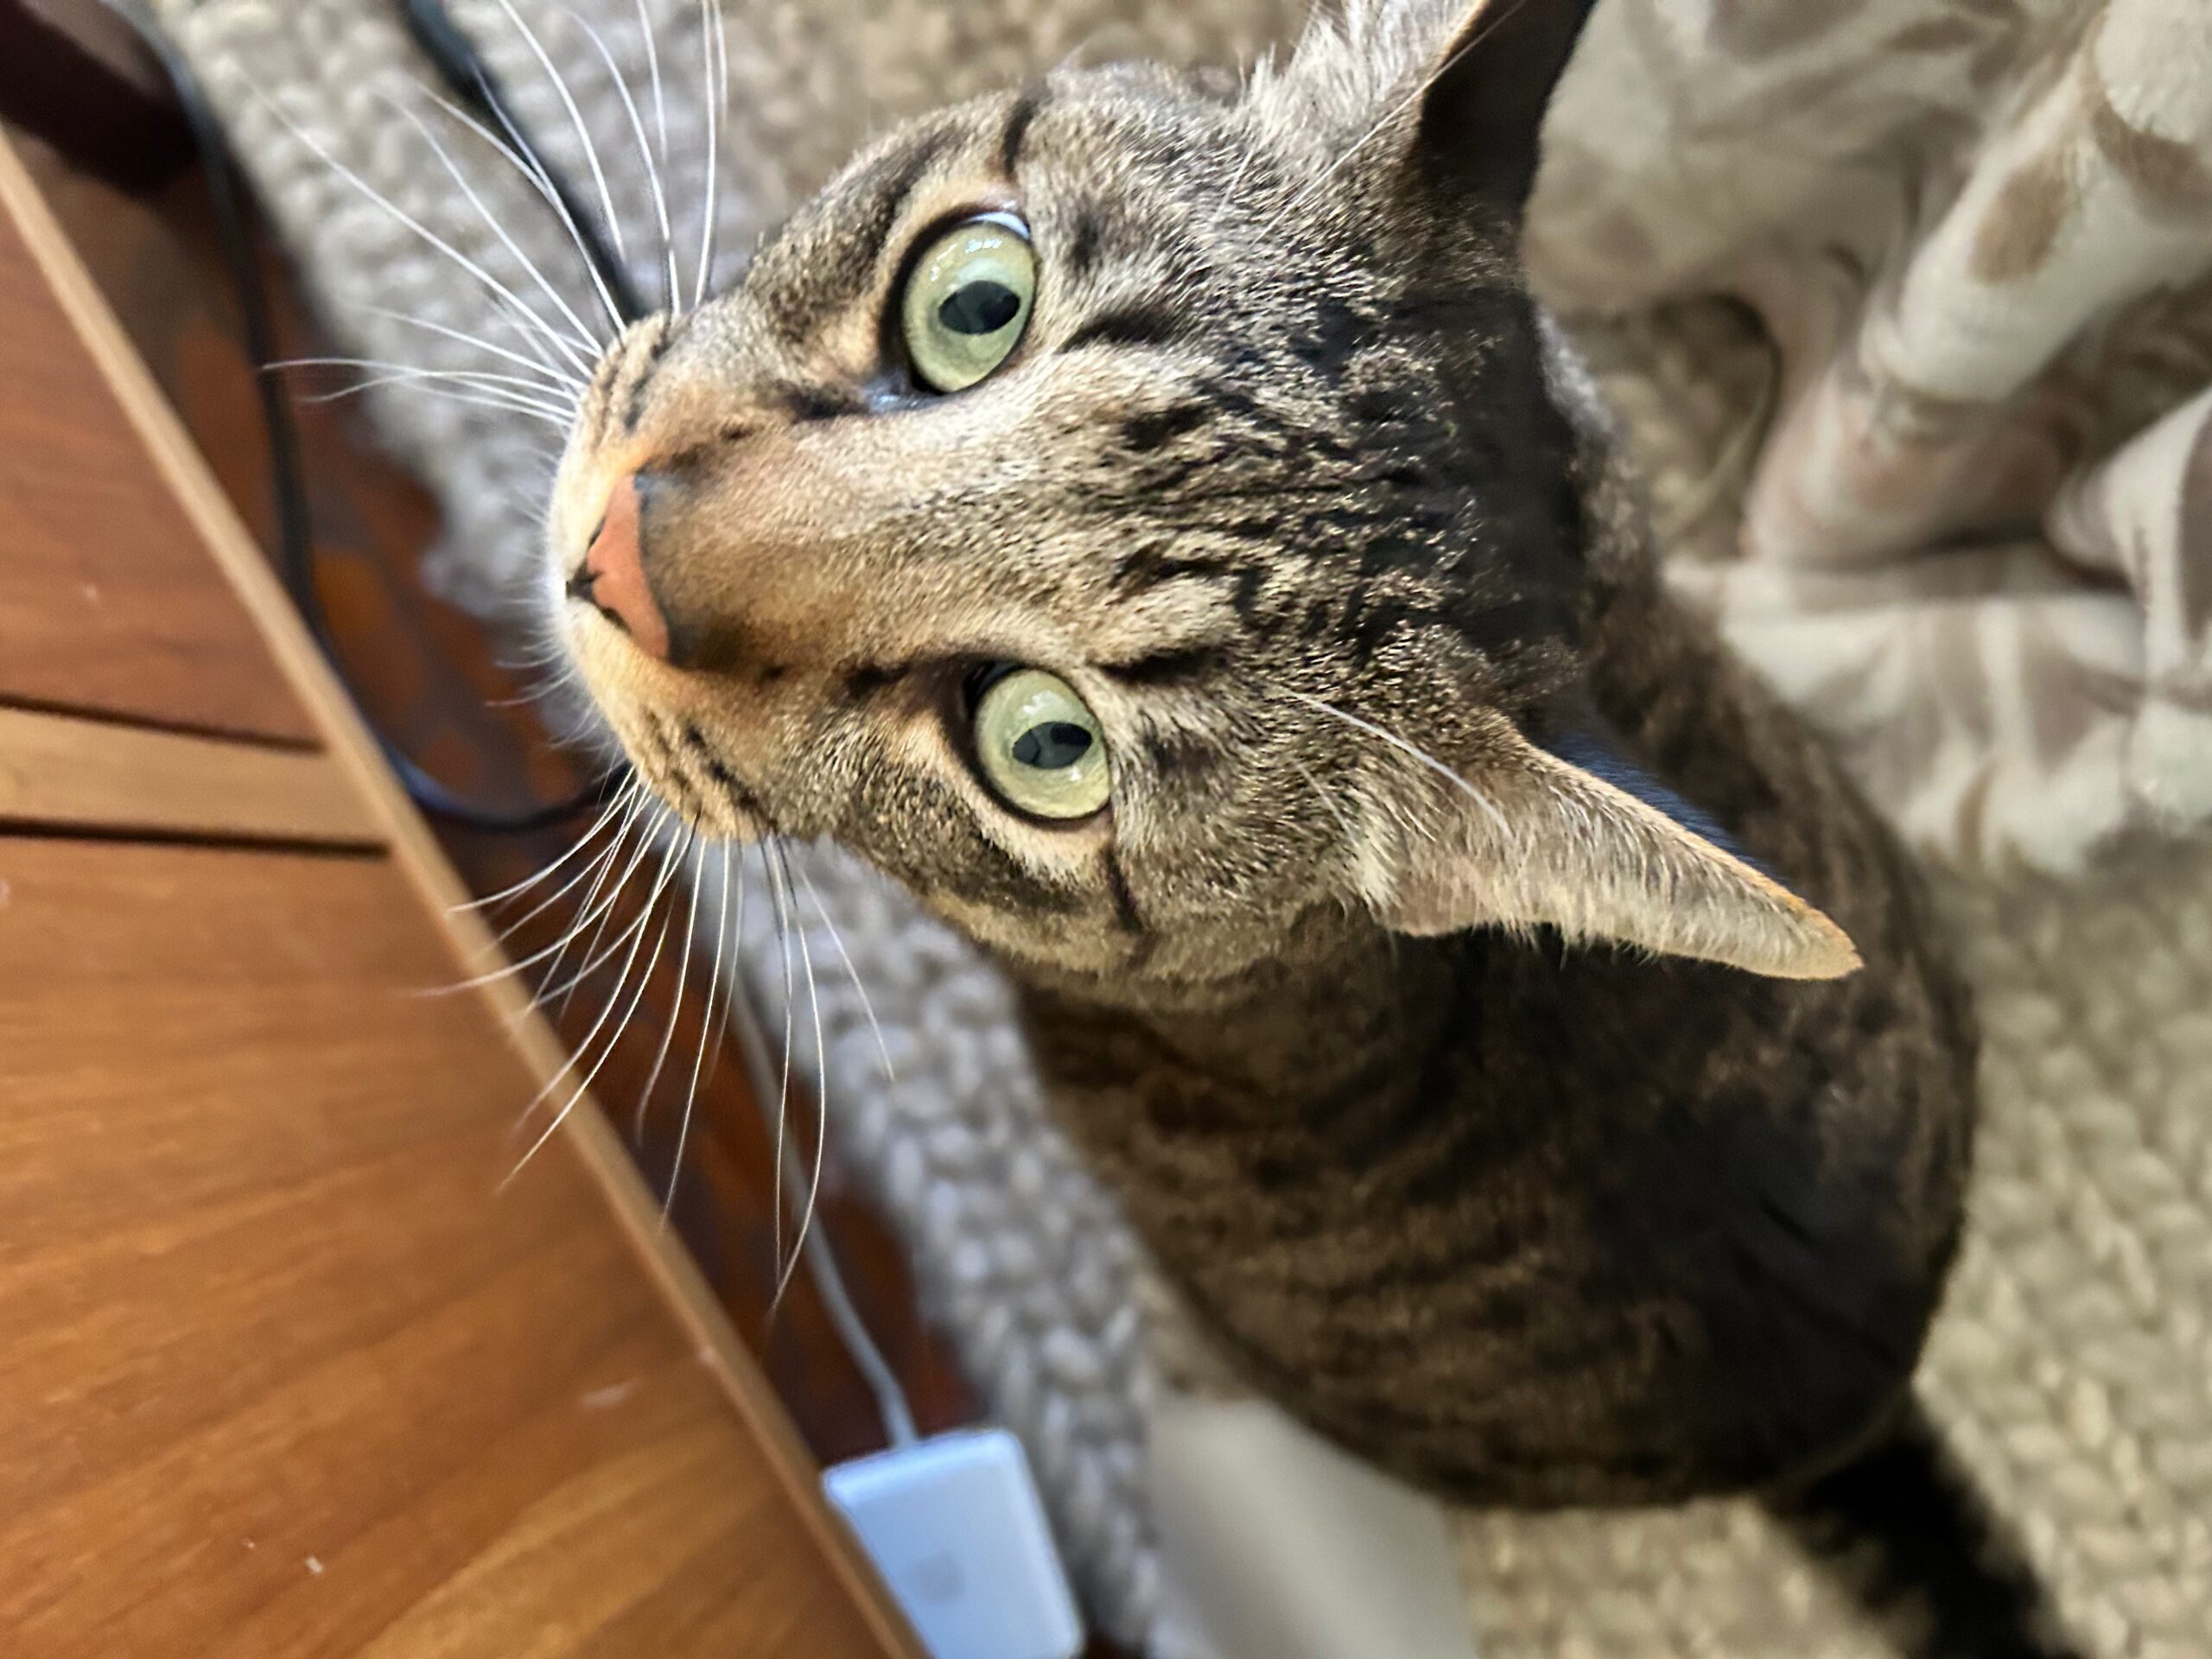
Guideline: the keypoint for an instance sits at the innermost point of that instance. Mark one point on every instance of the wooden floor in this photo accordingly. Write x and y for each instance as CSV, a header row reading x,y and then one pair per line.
x,y
429,677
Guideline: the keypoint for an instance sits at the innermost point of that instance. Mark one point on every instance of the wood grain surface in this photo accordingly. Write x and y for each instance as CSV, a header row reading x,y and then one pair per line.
x,y
107,606
57,772
287,1366
285,1370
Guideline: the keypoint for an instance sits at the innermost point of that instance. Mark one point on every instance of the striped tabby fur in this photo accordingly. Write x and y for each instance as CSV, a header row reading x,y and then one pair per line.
x,y
1520,1047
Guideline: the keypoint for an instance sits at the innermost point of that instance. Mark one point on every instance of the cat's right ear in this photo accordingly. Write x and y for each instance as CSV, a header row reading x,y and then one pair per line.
x,y
1481,106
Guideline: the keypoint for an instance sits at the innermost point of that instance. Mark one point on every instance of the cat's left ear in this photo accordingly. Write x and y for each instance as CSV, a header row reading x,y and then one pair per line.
x,y
1581,840
1481,107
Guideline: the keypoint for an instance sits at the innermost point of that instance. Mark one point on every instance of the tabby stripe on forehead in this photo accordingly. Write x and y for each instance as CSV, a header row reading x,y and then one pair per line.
x,y
867,679
1017,129
1179,666
1086,232
1150,566
887,188
1139,323
1146,432
641,379
1125,900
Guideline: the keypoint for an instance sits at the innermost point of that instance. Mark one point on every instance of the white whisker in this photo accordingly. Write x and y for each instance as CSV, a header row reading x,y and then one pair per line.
x,y
784,1088
558,377
660,103
526,160
676,1010
821,1090
495,402
1422,755
706,1029
868,1007
594,962
644,149
660,886
713,45
595,867
1328,802
540,693
606,1054
597,872
500,388
492,223
520,312
603,910
576,121
599,826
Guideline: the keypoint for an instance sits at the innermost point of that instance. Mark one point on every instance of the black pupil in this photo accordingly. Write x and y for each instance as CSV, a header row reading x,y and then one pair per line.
x,y
979,308
1052,744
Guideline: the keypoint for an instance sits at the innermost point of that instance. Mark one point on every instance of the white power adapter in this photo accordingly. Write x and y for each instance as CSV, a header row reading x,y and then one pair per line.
x,y
955,1526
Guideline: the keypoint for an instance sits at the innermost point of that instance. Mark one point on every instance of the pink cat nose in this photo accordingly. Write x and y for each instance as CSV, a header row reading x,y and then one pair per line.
x,y
612,579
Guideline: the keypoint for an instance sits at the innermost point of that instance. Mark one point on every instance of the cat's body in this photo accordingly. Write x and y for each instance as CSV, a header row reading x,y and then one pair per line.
x,y
1155,524
1537,1225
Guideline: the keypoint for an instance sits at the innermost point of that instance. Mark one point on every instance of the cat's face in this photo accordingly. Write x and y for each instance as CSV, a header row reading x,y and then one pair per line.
x,y
1070,501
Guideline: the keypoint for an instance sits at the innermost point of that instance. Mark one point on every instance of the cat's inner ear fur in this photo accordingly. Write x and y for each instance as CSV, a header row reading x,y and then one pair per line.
x,y
1481,108
1589,846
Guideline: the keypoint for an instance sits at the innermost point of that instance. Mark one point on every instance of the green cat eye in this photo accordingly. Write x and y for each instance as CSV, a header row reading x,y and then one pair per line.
x,y
1041,748
967,298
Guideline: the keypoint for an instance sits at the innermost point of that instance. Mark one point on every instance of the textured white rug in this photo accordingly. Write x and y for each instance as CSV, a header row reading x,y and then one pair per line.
x,y
2073,1365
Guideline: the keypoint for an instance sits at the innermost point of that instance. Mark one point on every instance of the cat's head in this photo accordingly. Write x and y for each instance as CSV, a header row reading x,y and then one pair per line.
x,y
1131,512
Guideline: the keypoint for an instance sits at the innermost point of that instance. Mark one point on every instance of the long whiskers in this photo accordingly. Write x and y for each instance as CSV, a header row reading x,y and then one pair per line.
x,y
492,223
594,906
653,69
545,871
603,910
676,1007
709,1028
427,386
716,46
517,152
668,866
560,85
594,961
559,377
516,309
821,1087
488,389
644,149
784,1087
852,973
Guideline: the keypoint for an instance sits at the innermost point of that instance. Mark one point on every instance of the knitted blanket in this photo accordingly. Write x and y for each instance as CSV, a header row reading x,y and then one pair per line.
x,y
2029,698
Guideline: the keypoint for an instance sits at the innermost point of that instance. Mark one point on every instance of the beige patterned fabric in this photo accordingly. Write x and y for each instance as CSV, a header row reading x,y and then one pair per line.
x,y
1976,541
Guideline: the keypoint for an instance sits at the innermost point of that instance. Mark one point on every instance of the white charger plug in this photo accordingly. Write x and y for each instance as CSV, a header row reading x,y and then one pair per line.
x,y
956,1527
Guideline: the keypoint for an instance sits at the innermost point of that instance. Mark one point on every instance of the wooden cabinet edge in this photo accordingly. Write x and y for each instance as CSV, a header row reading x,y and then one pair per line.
x,y
586,1131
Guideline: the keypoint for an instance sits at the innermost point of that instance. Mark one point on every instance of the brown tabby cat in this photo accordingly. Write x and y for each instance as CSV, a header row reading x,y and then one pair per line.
x,y
1152,521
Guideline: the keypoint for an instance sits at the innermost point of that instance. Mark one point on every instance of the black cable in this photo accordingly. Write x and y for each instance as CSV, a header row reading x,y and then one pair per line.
x,y
288,476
